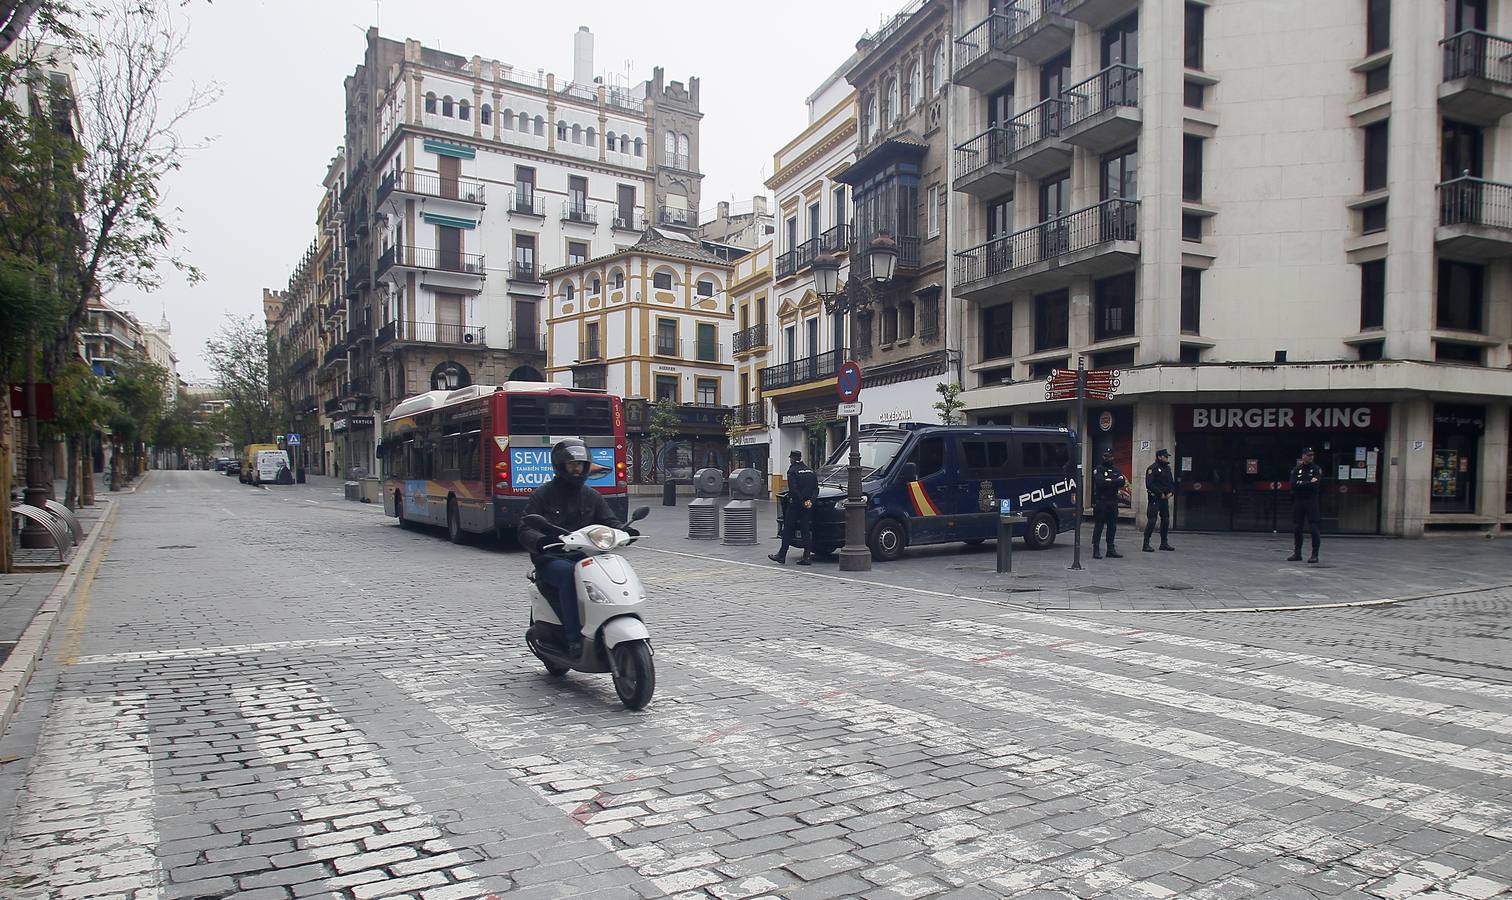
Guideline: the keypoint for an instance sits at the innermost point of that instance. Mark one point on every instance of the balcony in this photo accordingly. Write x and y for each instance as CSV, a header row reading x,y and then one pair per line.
x,y
908,256
525,342
357,279
634,221
835,240
749,339
980,164
527,203
581,213
303,361
404,332
1477,86
692,351
358,330
336,354
404,257
332,406
671,215
1098,240
801,371
525,271
591,350
749,414
1099,13
986,56
422,184
357,387
307,404
1103,112
1475,219
1034,143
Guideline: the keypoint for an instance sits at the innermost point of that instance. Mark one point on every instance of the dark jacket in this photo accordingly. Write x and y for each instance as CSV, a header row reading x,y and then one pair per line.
x,y
566,505
1107,481
1159,480
1303,483
803,484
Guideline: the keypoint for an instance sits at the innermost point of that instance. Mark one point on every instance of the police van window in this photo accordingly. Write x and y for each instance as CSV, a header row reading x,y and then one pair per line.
x,y
1045,457
986,456
929,456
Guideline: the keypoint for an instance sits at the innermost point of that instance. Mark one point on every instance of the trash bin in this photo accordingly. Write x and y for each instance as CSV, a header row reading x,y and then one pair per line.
x,y
669,493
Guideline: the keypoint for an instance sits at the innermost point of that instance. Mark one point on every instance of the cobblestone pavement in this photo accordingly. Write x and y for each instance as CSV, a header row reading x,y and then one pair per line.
x,y
275,693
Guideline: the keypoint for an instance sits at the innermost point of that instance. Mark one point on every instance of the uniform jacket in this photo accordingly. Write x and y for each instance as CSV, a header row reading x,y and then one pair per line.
x,y
1303,484
1159,480
1107,481
803,484
566,505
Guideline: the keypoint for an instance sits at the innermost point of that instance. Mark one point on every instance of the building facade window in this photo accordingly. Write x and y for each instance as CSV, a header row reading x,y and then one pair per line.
x,y
464,110
1373,295
666,388
430,103
1052,320
932,213
1191,168
1120,175
1192,36
448,106
889,324
997,331
1377,25
1113,301
1191,228
1191,301
706,391
705,288
666,337
1376,152
662,281
577,252
485,114
1461,295
1457,433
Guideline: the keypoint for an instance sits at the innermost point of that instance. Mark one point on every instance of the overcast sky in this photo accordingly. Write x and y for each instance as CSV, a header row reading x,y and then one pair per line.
x,y
248,197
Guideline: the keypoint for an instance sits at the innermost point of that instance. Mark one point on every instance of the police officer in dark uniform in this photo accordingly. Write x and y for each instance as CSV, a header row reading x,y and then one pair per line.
x,y
1107,481
803,490
1160,484
1306,483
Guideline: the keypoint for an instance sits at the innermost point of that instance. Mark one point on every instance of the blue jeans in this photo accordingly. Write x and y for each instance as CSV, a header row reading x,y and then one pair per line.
x,y
558,574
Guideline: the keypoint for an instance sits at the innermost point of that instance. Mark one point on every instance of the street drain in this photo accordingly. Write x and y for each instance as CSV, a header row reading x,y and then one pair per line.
x,y
177,547
1173,587
1097,589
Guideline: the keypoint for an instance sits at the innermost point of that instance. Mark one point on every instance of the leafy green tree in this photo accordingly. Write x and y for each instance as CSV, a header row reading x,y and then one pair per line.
x,y
81,407
663,425
138,390
950,404
239,359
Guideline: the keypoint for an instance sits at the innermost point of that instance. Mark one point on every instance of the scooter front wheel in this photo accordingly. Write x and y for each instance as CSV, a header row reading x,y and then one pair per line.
x,y
634,675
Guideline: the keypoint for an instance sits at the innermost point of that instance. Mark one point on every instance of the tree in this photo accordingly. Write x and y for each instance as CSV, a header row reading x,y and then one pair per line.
x,y
29,310
80,408
664,425
950,404
239,358
138,390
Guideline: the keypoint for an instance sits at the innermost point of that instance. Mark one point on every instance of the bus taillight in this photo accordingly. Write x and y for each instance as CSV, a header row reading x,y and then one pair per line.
x,y
501,475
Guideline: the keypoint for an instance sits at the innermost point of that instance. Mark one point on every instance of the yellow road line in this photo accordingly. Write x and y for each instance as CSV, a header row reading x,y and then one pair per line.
x,y
73,632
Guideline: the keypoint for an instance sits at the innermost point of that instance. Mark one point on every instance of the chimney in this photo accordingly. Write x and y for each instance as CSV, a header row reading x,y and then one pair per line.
x,y
758,204
582,56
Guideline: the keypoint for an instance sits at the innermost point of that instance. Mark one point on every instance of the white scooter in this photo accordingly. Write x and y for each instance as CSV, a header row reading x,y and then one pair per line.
x,y
610,598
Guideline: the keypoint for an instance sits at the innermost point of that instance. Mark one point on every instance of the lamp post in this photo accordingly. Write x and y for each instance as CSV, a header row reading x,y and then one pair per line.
x,y
882,259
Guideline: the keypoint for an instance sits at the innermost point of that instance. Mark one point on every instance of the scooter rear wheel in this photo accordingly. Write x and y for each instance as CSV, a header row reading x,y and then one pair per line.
x,y
635,677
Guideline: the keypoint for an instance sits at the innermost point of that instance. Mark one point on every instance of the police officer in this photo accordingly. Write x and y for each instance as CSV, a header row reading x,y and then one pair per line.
x,y
803,490
1160,484
1306,483
1107,481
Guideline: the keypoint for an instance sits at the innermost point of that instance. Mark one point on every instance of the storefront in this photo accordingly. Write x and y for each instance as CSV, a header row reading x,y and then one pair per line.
x,y
1457,433
1233,464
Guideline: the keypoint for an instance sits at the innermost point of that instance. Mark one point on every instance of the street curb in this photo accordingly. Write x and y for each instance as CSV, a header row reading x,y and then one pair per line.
x,y
17,671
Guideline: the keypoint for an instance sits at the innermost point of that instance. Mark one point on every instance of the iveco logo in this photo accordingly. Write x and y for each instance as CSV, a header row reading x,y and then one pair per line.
x,y
1054,490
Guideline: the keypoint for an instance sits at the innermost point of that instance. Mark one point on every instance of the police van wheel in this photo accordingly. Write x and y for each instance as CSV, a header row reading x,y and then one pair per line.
x,y
887,540
1039,534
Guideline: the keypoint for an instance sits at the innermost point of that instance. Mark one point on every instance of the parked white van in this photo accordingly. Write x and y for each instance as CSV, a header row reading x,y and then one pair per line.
x,y
272,467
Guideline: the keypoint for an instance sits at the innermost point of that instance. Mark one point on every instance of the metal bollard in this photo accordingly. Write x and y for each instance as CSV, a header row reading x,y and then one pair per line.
x,y
1007,518
703,520
740,522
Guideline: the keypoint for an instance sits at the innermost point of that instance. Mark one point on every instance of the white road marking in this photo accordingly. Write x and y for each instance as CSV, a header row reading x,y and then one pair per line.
x,y
86,812
1443,713
1425,804
228,650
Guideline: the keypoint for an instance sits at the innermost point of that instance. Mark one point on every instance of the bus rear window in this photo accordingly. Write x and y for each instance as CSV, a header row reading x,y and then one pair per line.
x,y
559,415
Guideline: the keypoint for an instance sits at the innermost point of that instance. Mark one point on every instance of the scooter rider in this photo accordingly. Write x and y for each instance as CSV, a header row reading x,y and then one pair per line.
x,y
567,502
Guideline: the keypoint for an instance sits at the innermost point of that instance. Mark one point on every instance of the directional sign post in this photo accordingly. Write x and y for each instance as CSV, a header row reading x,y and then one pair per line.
x,y
854,556
1078,385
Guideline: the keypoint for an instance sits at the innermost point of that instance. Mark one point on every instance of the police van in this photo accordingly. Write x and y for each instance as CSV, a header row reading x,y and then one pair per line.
x,y
934,484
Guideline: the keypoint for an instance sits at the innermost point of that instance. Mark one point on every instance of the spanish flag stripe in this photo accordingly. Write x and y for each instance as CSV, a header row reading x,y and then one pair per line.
x,y
923,506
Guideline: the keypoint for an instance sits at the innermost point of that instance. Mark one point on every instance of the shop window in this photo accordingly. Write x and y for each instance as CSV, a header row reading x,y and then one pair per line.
x,y
1114,303
1457,432
1461,295
1191,301
1052,320
1372,294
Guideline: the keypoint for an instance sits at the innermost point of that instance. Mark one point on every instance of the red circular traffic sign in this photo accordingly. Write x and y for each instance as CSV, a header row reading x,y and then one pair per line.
x,y
848,381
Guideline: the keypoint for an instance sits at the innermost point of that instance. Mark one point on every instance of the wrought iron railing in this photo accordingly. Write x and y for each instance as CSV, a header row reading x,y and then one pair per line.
x,y
579,212
527,203
749,338
787,264
427,185
1476,54
988,148
1000,29
525,271
591,349
1115,86
528,341
305,360
332,406
1042,121
411,257
356,387
835,240
437,333
799,371
633,222
749,413
908,254
671,215
334,354
1110,220
1475,201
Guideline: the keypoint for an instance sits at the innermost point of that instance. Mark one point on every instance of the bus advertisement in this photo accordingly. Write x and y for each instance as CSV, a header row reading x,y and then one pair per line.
x,y
468,460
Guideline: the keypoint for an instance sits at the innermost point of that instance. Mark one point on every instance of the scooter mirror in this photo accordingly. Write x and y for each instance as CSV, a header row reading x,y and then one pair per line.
x,y
640,513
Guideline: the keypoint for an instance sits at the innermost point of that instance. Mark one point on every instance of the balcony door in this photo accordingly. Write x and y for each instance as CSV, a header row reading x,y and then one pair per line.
x,y
999,226
1463,151
524,188
450,169
1464,15
448,318
1120,181
448,248
1055,202
624,207
577,195
525,248
1120,46
812,330
526,331
1055,76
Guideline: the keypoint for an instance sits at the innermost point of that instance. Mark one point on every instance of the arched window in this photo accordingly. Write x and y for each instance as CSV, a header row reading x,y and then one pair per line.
x,y
485,114
916,82
868,118
448,106
936,69
640,147
464,110
592,137
682,152
617,279
610,140
669,148
507,117
577,134
540,125
561,130
625,144
889,104
569,291
430,103
524,121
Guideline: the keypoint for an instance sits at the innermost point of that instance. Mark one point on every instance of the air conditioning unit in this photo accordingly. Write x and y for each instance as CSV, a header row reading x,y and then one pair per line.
x,y
468,337
471,196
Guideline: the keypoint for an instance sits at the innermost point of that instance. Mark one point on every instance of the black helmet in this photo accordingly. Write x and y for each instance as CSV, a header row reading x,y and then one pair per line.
x,y
566,451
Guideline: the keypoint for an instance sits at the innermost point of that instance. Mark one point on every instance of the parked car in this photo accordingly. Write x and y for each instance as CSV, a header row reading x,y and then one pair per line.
x,y
232,467
220,463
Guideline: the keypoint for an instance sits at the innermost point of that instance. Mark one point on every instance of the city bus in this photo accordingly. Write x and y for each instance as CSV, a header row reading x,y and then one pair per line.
x,y
469,459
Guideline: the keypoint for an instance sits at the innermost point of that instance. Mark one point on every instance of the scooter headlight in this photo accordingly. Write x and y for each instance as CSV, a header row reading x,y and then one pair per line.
x,y
601,536
597,596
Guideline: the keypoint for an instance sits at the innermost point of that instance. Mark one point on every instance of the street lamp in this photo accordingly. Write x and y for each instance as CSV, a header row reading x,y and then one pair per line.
x,y
882,259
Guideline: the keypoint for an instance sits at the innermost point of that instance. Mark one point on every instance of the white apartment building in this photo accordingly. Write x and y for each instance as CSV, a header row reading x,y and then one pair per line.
x,y
651,322
157,341
750,346
110,335
1286,224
